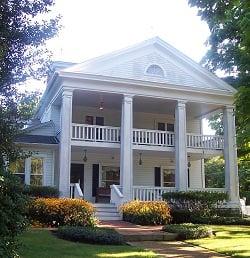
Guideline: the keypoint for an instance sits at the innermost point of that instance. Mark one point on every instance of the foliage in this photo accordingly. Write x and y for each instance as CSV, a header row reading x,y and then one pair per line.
x,y
23,54
219,220
92,235
246,194
189,231
181,216
41,243
146,212
41,191
229,42
56,212
13,205
197,202
214,172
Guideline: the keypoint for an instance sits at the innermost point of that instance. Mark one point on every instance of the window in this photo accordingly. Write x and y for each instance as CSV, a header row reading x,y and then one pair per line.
x,y
18,168
155,70
110,176
36,172
168,175
170,127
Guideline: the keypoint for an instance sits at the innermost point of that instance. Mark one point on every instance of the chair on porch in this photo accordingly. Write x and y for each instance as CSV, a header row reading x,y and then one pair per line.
x,y
103,194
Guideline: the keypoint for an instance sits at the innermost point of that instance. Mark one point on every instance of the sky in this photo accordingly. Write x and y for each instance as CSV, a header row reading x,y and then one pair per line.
x,y
95,27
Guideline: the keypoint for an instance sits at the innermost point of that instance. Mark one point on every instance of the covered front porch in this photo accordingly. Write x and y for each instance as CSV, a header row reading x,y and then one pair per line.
x,y
96,171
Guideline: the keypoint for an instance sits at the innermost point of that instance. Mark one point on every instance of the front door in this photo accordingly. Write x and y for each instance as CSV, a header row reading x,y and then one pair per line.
x,y
77,174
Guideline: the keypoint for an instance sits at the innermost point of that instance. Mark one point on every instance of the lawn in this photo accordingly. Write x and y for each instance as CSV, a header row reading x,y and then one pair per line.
x,y
229,240
39,243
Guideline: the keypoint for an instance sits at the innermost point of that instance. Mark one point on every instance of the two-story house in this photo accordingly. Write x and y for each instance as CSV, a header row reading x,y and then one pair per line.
x,y
130,121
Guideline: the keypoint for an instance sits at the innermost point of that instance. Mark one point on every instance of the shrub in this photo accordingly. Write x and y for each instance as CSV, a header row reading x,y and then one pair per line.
x,y
41,191
54,212
189,231
146,213
198,202
90,235
12,213
181,216
246,194
221,220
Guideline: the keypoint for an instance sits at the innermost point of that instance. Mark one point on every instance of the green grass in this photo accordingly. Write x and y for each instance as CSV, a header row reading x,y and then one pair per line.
x,y
229,240
41,243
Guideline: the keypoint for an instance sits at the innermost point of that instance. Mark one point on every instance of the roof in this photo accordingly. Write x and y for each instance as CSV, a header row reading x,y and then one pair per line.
x,y
42,139
132,62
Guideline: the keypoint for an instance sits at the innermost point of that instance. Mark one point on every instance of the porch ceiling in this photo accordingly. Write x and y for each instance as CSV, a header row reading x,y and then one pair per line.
x,y
141,104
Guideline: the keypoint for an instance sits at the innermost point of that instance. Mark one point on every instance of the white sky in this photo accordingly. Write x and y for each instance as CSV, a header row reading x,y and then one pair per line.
x,y
95,27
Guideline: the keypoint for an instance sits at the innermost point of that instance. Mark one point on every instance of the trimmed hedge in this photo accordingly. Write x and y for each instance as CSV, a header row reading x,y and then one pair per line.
x,y
222,220
41,191
146,212
199,202
90,235
189,231
56,212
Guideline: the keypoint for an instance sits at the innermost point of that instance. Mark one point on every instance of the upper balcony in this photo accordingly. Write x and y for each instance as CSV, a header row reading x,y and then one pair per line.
x,y
143,137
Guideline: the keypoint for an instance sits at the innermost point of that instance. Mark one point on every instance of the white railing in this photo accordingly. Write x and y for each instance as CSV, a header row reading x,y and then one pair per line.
x,y
95,133
116,196
76,191
220,190
205,141
153,137
148,193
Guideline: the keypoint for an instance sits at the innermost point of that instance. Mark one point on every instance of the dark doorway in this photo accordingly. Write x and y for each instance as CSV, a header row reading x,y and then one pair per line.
x,y
77,174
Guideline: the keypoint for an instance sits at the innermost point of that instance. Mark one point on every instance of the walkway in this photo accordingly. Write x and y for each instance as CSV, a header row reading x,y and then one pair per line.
x,y
145,236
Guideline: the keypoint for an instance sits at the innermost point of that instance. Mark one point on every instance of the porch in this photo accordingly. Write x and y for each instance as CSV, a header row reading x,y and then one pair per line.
x,y
96,171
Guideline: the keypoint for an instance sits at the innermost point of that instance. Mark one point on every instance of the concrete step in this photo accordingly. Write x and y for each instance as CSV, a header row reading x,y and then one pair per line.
x,y
106,211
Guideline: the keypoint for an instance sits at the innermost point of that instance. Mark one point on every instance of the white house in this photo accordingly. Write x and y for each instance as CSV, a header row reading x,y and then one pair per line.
x,y
130,121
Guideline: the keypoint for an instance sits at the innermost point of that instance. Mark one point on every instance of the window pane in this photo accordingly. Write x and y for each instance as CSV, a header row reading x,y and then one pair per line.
x,y
110,176
17,167
168,177
36,166
36,179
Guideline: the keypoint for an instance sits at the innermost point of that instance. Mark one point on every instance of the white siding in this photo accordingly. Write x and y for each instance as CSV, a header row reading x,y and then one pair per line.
x,y
140,119
195,174
48,164
143,174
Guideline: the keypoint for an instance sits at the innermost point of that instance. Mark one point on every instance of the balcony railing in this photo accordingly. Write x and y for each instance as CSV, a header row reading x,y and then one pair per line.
x,y
205,141
109,134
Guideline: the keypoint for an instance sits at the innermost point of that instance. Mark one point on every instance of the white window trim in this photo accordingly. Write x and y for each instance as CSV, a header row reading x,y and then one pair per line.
x,y
107,165
162,168
165,122
152,74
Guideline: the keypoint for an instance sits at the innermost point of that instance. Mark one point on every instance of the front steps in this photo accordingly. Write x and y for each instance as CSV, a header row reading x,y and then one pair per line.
x,y
107,211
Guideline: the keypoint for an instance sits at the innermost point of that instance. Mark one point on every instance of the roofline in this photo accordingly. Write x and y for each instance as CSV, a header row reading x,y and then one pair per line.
x,y
93,77
31,128
37,144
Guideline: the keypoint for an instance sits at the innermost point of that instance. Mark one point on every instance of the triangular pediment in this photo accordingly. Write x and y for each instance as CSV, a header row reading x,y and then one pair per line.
x,y
133,62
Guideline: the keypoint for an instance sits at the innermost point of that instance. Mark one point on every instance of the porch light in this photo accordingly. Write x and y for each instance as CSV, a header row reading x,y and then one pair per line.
x,y
140,160
85,159
101,105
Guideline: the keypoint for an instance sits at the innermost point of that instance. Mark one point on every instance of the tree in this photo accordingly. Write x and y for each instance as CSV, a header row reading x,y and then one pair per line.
x,y
24,29
229,42
25,26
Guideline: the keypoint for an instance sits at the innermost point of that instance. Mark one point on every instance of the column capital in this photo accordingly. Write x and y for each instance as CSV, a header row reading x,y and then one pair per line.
x,y
181,102
67,92
128,98
229,108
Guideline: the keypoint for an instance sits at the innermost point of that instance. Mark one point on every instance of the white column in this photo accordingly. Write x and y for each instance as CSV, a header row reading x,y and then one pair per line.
x,y
230,155
65,143
126,151
181,174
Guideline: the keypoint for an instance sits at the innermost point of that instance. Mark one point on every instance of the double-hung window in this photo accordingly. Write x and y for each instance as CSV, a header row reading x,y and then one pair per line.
x,y
18,169
36,171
